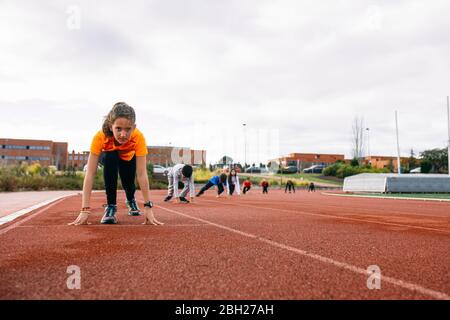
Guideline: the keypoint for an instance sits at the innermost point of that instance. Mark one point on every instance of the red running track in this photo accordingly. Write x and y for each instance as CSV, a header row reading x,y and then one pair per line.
x,y
275,246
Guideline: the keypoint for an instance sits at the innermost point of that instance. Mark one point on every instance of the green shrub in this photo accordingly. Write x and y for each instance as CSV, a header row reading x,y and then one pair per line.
x,y
354,162
332,170
150,171
8,182
33,183
34,177
346,171
202,175
425,166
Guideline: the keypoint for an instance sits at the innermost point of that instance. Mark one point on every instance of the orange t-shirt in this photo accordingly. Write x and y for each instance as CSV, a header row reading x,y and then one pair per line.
x,y
135,146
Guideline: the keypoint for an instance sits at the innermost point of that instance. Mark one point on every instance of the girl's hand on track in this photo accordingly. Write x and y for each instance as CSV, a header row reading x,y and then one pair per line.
x,y
81,219
150,218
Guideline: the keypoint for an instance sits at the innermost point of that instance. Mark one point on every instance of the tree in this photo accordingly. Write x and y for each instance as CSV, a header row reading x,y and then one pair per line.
x,y
425,166
357,138
412,161
438,159
150,171
354,162
390,165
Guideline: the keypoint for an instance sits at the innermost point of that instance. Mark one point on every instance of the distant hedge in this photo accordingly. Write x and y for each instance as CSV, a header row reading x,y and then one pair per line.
x,y
342,170
34,178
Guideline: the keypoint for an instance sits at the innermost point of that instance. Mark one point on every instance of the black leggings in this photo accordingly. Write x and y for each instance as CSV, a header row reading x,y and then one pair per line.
x,y
232,188
112,166
209,185
246,189
289,186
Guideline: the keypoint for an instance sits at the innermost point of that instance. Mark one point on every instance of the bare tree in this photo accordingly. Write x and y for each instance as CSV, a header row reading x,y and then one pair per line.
x,y
358,137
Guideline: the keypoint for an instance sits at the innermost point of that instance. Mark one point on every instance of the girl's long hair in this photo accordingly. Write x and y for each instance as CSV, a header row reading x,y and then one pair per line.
x,y
119,110
231,175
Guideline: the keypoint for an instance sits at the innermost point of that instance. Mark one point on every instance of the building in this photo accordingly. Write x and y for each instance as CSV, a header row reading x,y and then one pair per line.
x,y
168,156
305,160
46,152
77,160
161,155
381,162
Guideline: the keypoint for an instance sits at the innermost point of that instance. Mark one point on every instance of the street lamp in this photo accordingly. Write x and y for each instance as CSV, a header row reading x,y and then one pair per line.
x,y
368,144
448,123
245,145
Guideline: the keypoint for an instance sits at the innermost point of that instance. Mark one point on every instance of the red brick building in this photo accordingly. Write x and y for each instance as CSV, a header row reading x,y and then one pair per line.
x,y
168,156
161,155
305,160
46,152
381,162
77,160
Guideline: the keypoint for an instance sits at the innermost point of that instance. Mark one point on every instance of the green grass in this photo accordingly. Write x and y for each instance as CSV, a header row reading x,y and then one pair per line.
x,y
273,181
313,177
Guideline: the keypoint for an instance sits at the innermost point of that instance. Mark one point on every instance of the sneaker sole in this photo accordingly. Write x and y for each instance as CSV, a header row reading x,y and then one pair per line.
x,y
108,222
134,214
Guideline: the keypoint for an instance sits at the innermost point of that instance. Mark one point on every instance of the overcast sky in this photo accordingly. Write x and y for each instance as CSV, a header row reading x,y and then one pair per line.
x,y
296,72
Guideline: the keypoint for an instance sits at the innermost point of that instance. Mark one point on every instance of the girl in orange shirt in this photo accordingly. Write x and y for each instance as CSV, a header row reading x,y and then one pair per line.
x,y
122,150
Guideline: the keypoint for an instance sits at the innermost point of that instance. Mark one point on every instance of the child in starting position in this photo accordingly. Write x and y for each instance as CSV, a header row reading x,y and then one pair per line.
x,y
247,185
180,173
233,183
265,186
219,181
122,150
289,185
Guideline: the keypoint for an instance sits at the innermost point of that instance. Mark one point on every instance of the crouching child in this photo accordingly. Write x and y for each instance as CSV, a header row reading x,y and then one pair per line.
x,y
219,181
180,173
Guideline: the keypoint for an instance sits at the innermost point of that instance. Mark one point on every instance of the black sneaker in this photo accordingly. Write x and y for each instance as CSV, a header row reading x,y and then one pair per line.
x,y
109,216
133,209
184,200
168,198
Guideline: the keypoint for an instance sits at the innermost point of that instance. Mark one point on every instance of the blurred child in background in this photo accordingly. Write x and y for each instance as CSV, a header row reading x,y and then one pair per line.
x,y
219,181
233,183
265,186
247,185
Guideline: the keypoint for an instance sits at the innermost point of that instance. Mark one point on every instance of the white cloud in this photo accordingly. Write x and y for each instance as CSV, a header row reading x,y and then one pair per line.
x,y
302,68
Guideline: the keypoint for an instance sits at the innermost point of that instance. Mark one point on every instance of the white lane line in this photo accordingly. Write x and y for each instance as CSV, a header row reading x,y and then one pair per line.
x,y
370,211
19,213
336,217
343,265
18,223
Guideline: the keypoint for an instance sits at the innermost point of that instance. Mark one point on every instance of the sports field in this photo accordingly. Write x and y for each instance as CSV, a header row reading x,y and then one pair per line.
x,y
275,246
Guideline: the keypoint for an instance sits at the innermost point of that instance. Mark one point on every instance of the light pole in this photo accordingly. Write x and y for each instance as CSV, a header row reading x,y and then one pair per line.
x,y
398,144
170,150
448,121
368,144
245,145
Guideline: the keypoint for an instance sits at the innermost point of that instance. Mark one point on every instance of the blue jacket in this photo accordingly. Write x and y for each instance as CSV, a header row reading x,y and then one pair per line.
x,y
216,180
